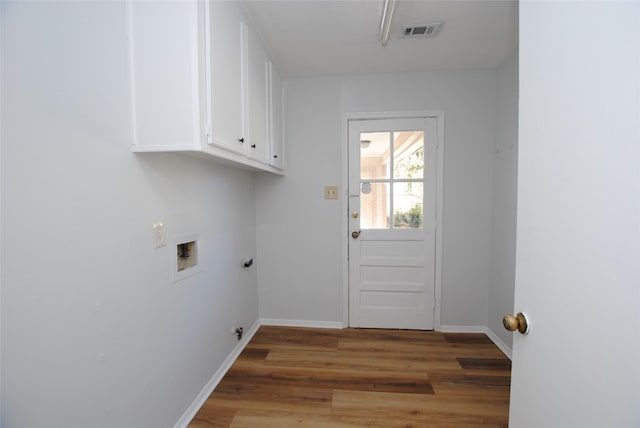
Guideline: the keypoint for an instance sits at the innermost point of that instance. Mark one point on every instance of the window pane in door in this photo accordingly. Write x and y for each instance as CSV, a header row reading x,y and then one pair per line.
x,y
408,154
374,155
374,205
408,205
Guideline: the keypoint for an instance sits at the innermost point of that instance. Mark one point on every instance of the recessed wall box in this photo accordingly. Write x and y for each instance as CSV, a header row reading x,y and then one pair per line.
x,y
186,259
187,255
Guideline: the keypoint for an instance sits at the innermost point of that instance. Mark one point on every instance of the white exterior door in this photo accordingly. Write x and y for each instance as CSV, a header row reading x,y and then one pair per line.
x,y
392,222
578,236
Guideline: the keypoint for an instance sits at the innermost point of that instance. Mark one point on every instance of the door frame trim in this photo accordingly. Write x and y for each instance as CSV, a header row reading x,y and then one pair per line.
x,y
439,116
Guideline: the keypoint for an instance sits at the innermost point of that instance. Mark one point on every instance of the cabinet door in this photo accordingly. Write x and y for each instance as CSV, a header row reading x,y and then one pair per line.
x,y
164,73
227,92
257,100
276,116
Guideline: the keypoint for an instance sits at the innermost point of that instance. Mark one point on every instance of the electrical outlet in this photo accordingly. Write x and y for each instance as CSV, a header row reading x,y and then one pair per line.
x,y
331,192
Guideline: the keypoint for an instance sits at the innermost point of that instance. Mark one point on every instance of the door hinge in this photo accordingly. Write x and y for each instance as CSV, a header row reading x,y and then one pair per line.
x,y
207,133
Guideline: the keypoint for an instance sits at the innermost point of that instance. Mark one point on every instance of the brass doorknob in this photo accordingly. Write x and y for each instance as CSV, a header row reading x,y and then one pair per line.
x,y
519,322
355,234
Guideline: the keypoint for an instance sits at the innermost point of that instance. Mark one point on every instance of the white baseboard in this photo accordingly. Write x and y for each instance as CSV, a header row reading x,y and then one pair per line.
x,y
506,350
302,323
190,413
463,329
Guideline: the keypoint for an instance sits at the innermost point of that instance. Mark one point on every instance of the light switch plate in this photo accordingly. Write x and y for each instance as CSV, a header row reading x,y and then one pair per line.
x,y
158,235
331,192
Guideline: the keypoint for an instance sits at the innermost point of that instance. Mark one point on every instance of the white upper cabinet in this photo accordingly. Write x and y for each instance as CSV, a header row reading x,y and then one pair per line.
x,y
199,82
167,90
276,117
228,33
257,100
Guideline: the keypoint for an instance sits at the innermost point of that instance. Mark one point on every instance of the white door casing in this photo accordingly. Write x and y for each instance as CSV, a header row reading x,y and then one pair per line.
x,y
392,258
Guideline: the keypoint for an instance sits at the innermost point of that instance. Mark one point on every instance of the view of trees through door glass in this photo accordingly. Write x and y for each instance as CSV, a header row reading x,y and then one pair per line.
x,y
391,179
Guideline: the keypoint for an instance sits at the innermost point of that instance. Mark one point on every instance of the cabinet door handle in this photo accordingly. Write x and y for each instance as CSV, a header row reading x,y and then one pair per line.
x,y
275,156
253,146
241,140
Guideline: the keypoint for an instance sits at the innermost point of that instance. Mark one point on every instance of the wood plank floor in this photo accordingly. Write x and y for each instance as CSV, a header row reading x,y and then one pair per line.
x,y
352,378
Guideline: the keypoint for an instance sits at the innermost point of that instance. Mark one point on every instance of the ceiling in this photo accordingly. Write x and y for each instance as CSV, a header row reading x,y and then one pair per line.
x,y
328,37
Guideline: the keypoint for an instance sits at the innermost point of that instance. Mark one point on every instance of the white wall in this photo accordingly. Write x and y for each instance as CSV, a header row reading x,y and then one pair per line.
x,y
505,179
94,332
299,232
300,236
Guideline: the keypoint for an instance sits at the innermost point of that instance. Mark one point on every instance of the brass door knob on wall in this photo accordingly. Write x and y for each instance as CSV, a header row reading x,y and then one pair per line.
x,y
519,322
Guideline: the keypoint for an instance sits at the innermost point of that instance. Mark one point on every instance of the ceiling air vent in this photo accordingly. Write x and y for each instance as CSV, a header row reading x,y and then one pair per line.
x,y
422,30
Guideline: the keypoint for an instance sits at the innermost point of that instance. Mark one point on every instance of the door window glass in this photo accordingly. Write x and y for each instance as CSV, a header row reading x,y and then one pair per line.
x,y
407,205
408,155
391,179
374,155
374,205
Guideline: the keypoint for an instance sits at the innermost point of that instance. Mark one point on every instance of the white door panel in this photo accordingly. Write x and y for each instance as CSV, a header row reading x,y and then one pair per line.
x,y
385,299
396,253
392,208
392,278
578,233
